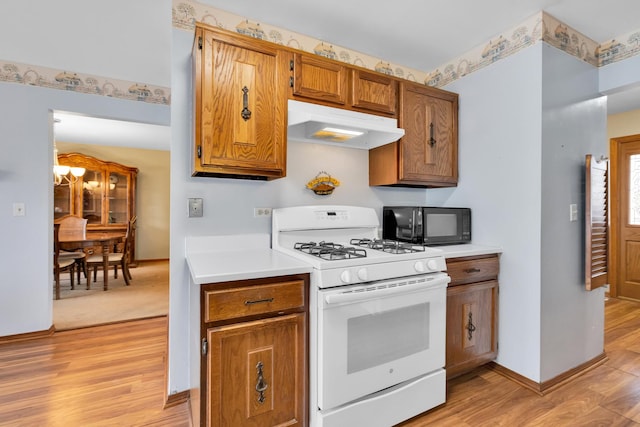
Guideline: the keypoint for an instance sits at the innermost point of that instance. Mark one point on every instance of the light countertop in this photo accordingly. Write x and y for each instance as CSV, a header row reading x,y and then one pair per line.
x,y
214,259
468,249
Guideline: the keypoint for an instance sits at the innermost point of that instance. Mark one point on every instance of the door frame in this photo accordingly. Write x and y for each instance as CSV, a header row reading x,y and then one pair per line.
x,y
615,216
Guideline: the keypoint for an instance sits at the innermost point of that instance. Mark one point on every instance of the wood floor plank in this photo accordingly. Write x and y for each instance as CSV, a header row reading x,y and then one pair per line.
x,y
608,395
104,376
114,376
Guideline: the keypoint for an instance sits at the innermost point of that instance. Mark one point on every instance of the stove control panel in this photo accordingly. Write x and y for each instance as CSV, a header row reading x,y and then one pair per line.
x,y
373,272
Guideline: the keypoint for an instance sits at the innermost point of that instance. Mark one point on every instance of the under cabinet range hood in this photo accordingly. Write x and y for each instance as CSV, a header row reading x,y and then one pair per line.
x,y
343,128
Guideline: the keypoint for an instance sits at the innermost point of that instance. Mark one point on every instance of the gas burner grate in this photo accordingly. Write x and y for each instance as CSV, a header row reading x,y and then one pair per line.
x,y
390,246
330,251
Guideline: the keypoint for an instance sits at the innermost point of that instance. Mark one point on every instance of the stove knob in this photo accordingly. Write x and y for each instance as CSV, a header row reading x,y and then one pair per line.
x,y
345,276
419,266
362,274
432,264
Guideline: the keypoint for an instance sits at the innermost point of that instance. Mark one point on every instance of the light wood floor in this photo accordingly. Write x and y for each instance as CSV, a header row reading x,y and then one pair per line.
x,y
111,375
114,376
608,395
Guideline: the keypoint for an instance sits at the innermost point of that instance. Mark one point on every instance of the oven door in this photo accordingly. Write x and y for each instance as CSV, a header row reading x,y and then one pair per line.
x,y
380,334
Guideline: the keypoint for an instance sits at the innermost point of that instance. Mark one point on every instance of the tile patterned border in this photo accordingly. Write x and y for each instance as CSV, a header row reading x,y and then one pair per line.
x,y
540,27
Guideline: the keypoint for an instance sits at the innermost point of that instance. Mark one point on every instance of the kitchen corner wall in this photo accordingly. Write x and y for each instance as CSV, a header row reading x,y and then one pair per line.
x,y
529,121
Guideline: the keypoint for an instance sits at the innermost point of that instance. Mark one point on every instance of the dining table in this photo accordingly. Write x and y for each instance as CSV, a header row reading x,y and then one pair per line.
x,y
104,239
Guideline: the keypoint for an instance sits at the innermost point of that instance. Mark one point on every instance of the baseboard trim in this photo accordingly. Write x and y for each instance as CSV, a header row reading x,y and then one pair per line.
x,y
555,382
28,336
176,399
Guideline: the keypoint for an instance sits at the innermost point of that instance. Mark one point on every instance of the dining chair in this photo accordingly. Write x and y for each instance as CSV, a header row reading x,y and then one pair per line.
x,y
74,227
60,263
116,258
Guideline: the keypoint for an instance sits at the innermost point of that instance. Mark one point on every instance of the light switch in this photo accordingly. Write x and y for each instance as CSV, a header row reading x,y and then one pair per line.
x,y
573,212
18,209
195,208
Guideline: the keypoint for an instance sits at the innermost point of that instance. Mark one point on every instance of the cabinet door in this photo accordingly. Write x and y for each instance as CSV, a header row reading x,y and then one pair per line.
x,y
240,108
256,373
92,195
374,92
319,79
472,321
62,201
428,153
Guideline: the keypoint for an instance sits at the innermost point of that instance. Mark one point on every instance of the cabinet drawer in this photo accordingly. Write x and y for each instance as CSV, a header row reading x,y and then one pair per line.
x,y
253,300
470,270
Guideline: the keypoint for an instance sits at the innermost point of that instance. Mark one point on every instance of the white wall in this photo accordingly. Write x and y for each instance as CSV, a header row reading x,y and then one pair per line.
x,y
66,34
500,155
26,284
527,123
573,125
120,39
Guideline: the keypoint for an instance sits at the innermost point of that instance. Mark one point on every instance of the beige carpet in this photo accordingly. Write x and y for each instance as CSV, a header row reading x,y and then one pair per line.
x,y
148,296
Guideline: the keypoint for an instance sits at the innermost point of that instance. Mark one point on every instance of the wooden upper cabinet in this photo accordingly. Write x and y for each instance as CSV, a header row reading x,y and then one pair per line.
x,y
427,155
374,92
319,79
328,82
240,106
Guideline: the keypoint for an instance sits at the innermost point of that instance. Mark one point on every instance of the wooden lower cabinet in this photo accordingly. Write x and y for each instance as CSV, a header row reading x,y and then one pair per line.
x,y
255,360
472,313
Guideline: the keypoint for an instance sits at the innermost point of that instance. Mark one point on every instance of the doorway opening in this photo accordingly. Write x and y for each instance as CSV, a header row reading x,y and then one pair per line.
x,y
145,147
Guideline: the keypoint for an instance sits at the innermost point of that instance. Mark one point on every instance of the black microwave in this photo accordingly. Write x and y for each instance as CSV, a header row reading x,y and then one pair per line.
x,y
426,225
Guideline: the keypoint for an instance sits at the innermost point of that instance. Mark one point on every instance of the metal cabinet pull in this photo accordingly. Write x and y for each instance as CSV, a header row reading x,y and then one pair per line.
x,y
472,270
432,140
258,301
261,384
471,328
246,113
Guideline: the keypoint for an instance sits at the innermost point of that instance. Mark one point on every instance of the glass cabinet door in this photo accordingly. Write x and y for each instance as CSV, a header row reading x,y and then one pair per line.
x,y
61,201
118,200
92,191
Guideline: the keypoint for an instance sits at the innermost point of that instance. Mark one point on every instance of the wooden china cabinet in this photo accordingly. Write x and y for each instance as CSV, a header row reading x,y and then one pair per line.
x,y
105,195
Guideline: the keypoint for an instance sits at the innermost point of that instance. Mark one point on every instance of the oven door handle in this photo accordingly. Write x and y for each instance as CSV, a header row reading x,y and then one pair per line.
x,y
377,292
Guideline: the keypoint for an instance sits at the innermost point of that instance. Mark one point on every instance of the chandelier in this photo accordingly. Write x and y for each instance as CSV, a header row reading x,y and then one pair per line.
x,y
64,175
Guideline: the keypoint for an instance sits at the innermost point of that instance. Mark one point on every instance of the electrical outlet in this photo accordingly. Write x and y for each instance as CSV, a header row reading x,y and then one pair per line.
x,y
261,212
195,208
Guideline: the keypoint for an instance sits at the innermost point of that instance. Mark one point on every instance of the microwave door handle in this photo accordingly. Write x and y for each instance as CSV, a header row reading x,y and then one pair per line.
x,y
338,298
414,225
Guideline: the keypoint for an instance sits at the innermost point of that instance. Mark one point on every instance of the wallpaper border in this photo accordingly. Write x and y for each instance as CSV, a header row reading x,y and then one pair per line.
x,y
33,75
539,27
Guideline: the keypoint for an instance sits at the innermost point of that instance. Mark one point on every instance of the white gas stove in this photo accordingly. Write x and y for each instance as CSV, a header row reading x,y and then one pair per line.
x,y
343,243
377,316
